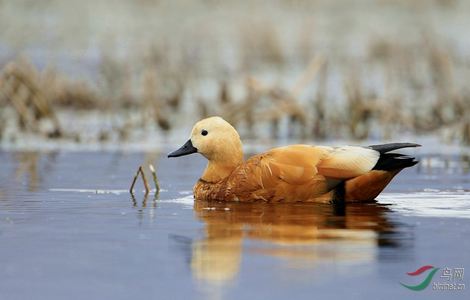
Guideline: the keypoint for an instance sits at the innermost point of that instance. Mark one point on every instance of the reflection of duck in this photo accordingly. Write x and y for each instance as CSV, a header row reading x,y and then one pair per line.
x,y
297,173
303,234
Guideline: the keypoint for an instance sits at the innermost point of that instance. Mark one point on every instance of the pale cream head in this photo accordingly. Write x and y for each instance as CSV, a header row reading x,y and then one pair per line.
x,y
217,140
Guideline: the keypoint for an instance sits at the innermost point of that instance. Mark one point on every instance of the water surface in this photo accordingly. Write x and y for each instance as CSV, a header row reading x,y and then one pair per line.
x,y
70,230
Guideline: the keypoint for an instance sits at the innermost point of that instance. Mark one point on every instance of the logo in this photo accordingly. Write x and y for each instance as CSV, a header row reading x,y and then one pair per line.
x,y
424,284
450,279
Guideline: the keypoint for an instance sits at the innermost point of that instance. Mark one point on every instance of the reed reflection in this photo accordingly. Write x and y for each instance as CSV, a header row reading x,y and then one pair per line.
x,y
28,168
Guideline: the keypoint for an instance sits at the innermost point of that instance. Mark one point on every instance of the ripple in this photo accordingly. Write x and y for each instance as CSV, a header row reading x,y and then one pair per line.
x,y
186,201
429,204
92,191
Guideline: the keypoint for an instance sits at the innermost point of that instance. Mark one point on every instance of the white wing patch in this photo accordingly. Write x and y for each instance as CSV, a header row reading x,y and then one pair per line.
x,y
348,162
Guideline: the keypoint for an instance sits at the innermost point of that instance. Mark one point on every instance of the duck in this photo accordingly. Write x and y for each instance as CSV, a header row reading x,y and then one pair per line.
x,y
289,174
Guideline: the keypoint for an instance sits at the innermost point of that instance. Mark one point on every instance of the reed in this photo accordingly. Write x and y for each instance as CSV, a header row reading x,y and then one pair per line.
x,y
140,172
20,89
358,109
260,44
415,85
319,114
155,180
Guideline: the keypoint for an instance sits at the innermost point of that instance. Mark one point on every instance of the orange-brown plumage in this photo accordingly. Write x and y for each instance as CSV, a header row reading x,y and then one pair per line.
x,y
296,173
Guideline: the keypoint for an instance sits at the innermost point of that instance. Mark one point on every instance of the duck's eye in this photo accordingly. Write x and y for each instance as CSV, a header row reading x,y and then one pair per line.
x,y
204,132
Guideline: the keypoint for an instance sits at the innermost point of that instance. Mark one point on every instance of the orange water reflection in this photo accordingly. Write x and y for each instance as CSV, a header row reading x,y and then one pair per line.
x,y
300,234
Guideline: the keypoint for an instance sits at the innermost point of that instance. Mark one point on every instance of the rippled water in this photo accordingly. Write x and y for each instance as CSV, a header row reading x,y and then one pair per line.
x,y
70,230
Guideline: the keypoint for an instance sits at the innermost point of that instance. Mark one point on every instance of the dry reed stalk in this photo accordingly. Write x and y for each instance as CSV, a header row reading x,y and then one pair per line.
x,y
236,112
260,43
202,108
252,98
19,102
155,180
112,77
466,131
63,92
305,41
287,106
162,121
307,76
149,87
27,98
16,96
283,108
152,102
287,103
174,101
144,179
319,130
224,95
359,109
39,101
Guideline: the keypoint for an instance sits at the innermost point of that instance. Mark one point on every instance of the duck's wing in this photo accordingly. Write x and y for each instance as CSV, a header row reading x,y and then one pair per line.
x,y
299,164
348,162
295,164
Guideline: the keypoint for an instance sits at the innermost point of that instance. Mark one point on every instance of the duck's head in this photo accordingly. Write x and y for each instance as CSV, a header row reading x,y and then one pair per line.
x,y
215,139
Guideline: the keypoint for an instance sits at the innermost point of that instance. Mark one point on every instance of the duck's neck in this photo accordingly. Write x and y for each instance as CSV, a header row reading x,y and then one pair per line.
x,y
218,170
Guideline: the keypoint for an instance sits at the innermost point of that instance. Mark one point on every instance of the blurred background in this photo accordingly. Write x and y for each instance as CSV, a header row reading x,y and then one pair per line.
x,y
135,75
141,72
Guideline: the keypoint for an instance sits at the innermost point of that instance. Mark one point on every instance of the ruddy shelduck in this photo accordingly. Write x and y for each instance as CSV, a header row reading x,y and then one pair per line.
x,y
296,173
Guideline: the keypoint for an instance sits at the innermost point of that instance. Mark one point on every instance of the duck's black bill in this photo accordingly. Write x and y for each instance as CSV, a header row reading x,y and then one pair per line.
x,y
186,149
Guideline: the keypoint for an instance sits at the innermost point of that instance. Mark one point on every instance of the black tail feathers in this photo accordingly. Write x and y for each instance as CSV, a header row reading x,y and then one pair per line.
x,y
384,148
393,161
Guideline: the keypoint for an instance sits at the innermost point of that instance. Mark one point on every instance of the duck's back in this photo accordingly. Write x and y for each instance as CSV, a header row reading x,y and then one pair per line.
x,y
295,173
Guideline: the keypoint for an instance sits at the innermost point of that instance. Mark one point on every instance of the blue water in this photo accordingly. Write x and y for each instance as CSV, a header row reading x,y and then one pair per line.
x,y
70,230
